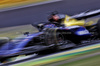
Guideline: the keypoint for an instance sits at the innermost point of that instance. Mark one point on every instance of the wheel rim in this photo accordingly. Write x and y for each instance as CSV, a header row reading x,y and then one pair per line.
x,y
60,39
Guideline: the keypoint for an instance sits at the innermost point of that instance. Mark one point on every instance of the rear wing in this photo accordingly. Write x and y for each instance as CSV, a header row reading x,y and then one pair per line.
x,y
86,14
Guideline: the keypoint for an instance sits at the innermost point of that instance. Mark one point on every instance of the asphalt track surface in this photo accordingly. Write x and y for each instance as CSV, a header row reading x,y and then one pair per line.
x,y
36,14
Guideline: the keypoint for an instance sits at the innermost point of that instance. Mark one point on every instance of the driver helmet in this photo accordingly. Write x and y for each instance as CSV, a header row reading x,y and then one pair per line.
x,y
56,17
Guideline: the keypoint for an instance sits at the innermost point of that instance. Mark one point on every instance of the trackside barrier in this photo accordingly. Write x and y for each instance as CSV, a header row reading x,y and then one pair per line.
x,y
60,56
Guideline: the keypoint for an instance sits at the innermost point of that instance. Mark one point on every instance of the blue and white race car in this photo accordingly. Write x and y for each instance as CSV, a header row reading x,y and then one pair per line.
x,y
51,36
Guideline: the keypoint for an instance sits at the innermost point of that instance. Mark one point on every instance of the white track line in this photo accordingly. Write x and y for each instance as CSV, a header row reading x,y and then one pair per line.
x,y
25,6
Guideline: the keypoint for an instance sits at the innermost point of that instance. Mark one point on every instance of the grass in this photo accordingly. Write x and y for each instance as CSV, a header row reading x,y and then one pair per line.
x,y
14,3
13,32
92,61
75,56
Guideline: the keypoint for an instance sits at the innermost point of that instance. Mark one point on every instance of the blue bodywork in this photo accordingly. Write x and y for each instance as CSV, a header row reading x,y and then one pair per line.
x,y
15,46
82,32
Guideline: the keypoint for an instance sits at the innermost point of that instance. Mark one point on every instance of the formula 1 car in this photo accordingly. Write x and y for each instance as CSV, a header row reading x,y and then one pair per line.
x,y
69,22
71,32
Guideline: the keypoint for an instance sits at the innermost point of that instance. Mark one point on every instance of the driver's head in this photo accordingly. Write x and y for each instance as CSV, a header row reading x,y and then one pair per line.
x,y
56,17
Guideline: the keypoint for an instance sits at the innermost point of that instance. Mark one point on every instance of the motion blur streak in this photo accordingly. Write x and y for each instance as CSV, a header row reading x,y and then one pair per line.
x,y
60,56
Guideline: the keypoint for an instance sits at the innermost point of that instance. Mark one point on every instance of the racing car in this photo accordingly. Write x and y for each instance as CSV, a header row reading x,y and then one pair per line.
x,y
69,32
72,24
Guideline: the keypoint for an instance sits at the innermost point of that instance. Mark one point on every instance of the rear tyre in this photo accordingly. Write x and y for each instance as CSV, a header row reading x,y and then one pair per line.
x,y
98,28
51,37
59,40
